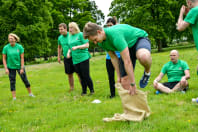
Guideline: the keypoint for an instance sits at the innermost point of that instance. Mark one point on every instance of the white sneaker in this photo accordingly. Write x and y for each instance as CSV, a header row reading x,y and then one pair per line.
x,y
32,95
14,98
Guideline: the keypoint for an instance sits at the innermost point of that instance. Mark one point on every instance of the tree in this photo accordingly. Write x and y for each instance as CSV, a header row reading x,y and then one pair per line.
x,y
157,17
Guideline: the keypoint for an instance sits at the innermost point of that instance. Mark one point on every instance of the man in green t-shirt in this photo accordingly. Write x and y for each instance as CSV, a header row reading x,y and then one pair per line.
x,y
131,42
63,45
177,72
191,19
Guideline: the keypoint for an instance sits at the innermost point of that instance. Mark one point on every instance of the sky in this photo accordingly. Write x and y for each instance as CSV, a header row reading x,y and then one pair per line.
x,y
104,6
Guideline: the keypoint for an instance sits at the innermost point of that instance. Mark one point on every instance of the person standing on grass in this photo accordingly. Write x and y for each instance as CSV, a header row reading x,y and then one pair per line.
x,y
13,60
80,57
63,47
131,42
109,66
177,72
191,19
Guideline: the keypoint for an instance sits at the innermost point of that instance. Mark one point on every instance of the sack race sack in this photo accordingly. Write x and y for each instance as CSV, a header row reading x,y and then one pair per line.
x,y
135,107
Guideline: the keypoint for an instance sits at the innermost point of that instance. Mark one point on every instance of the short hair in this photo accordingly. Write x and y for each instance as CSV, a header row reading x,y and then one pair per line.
x,y
175,51
15,36
63,25
90,29
75,26
112,20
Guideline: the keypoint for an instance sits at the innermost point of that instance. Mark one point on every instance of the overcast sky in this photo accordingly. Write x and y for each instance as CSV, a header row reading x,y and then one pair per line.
x,y
104,5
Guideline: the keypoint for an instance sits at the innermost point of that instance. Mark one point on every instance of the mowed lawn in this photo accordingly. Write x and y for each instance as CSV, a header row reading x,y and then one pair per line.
x,y
56,110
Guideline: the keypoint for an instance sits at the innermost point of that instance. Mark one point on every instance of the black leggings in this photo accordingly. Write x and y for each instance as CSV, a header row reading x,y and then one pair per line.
x,y
82,69
111,76
12,77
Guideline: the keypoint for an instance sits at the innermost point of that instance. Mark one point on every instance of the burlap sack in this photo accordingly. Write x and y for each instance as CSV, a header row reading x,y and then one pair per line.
x,y
135,107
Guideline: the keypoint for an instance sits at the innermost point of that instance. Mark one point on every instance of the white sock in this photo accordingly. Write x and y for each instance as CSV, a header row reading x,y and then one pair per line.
x,y
148,74
14,98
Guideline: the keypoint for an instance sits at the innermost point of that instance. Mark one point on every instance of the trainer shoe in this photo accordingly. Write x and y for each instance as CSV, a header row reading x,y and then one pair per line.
x,y
31,95
144,80
83,94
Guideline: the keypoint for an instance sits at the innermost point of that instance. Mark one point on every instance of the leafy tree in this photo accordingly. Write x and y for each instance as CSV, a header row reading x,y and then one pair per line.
x,y
157,17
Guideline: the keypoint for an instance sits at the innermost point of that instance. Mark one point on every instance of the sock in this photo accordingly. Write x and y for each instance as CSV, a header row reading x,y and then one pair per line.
x,y
148,74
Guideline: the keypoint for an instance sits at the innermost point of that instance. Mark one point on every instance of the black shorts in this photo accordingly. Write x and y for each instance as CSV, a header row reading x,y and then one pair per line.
x,y
141,43
170,85
69,67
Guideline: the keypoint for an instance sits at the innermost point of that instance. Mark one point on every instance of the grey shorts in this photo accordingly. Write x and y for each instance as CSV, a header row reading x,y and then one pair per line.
x,y
141,43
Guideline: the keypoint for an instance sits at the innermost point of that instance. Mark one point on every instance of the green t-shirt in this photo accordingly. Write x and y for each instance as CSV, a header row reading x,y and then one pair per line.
x,y
78,55
13,55
63,41
192,18
175,71
120,36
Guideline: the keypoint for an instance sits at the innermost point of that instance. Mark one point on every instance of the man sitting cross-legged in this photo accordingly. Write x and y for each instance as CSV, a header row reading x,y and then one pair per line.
x,y
177,72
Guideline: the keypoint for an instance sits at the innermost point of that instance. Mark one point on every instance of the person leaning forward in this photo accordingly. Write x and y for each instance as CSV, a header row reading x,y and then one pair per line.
x,y
131,42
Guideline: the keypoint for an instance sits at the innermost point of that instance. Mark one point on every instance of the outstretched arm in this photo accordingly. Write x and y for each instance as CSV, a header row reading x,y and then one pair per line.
x,y
129,70
159,77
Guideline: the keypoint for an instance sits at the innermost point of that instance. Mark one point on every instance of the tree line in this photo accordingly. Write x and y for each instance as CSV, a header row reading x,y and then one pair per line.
x,y
157,17
36,22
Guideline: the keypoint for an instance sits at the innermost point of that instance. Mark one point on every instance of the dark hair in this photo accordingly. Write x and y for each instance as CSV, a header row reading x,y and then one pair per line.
x,y
112,20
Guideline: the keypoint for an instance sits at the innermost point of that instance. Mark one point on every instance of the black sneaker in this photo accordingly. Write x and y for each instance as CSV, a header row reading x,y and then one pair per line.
x,y
144,80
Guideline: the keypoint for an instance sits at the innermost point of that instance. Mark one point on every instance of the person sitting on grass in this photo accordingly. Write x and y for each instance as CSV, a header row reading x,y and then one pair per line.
x,y
177,72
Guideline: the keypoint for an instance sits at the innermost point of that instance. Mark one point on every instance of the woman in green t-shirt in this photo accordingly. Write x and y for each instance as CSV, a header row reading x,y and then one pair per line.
x,y
13,60
80,57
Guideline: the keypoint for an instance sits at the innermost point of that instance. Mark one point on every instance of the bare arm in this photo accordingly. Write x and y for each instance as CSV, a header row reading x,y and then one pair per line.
x,y
81,46
159,77
181,24
22,63
129,70
128,64
115,62
5,64
68,53
59,53
187,75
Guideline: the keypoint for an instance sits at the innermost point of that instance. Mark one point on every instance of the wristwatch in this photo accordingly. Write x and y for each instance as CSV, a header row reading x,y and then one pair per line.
x,y
132,84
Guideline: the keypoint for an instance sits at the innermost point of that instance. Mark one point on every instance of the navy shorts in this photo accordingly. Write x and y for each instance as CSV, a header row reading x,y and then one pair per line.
x,y
69,67
170,85
141,43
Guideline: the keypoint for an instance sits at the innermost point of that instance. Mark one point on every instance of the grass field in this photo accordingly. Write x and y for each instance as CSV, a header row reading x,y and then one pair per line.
x,y
55,109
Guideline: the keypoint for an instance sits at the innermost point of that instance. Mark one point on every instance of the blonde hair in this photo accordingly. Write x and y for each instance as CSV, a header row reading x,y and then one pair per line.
x,y
15,36
75,26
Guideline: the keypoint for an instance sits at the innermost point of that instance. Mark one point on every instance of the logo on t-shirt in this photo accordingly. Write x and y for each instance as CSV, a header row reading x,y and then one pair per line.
x,y
180,68
17,50
76,38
